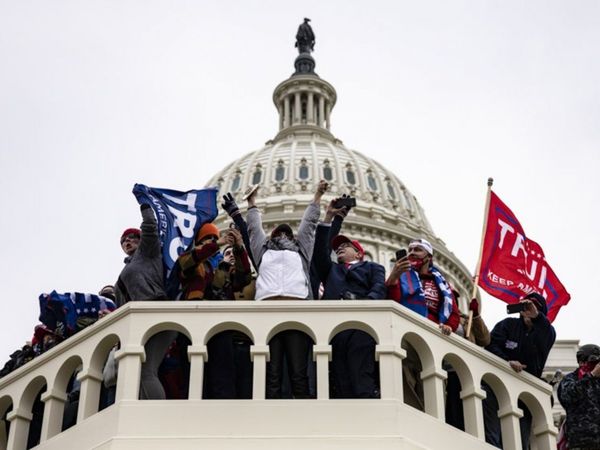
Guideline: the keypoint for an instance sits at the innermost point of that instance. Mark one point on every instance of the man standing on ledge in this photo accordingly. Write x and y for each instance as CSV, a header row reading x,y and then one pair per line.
x,y
418,285
353,363
283,263
525,343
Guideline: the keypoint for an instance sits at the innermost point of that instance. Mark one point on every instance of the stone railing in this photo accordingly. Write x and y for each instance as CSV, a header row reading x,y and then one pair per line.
x,y
387,419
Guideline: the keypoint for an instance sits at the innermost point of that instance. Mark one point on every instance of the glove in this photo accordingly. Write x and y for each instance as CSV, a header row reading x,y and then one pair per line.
x,y
474,306
229,205
347,295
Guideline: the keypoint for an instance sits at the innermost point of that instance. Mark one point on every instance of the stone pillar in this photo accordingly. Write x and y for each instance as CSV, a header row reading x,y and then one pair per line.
x,y
281,113
297,108
322,356
473,411
19,429
433,389
390,371
545,436
197,355
129,360
286,111
310,106
89,397
54,408
511,430
321,111
259,354
328,115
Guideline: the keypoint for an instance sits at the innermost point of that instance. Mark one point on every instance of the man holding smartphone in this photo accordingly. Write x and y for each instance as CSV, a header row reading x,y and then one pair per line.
x,y
417,284
525,343
353,369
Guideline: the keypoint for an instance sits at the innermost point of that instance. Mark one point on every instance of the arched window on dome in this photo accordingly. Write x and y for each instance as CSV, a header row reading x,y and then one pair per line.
x,y
257,175
327,171
350,175
280,171
303,172
407,198
235,183
371,181
390,188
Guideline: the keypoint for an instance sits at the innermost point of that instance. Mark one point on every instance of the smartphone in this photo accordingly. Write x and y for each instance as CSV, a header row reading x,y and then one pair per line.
x,y
348,202
515,308
401,254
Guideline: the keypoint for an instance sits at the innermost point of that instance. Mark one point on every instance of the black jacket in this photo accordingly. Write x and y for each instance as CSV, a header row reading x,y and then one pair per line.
x,y
512,341
365,279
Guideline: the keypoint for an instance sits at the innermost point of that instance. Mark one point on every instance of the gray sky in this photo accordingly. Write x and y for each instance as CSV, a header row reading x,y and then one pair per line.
x,y
98,95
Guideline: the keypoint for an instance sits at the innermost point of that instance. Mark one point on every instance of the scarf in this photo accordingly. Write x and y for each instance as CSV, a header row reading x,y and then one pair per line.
x,y
413,296
283,243
585,369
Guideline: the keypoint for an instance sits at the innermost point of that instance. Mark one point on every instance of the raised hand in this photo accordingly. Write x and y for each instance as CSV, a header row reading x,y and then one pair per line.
x,y
229,205
332,211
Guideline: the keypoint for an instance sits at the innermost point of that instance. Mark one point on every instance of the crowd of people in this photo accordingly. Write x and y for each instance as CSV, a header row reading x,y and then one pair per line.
x,y
299,266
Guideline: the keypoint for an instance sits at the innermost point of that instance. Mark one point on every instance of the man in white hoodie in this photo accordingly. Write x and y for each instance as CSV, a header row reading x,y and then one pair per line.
x,y
283,262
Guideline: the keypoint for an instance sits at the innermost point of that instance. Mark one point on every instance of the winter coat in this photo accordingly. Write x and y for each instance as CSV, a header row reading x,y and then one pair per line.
x,y
142,278
581,400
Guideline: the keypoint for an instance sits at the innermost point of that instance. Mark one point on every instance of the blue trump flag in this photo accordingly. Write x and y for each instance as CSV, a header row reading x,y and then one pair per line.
x,y
59,312
180,215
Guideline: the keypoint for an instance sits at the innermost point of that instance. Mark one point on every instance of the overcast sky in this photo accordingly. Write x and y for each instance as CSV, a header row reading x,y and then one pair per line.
x,y
98,95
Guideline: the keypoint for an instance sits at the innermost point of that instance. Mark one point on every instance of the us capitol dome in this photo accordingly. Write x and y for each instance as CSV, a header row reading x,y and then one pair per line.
x,y
288,168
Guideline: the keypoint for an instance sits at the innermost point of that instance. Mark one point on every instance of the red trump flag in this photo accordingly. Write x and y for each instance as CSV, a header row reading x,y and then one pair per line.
x,y
512,265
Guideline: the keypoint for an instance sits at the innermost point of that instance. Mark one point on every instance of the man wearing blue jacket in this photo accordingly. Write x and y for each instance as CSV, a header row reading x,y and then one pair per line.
x,y
353,365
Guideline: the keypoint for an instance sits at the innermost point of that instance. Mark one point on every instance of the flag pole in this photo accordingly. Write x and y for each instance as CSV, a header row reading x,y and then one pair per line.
x,y
486,213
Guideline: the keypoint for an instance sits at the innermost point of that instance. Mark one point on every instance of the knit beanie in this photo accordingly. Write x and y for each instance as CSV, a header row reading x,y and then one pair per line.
x,y
208,229
128,231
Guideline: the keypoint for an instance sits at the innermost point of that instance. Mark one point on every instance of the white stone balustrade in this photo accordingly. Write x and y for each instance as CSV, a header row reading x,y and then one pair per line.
x,y
319,423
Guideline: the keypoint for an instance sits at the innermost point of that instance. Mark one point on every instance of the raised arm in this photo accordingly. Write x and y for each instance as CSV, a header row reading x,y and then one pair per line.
x,y
149,240
308,225
231,207
256,234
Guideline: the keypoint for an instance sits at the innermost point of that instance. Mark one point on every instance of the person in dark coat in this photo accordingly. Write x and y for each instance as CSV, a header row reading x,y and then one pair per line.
x,y
353,364
525,343
579,393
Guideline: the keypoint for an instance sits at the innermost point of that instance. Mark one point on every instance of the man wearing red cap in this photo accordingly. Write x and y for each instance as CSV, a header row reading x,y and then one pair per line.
x,y
142,279
353,363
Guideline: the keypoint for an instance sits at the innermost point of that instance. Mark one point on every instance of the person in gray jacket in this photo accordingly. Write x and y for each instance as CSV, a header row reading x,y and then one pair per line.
x,y
283,262
142,279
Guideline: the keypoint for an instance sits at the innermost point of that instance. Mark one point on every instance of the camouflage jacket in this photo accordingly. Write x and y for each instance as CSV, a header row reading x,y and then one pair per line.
x,y
581,400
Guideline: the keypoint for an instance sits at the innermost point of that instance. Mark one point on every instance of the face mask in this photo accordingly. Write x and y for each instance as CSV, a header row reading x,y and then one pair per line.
x,y
415,263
